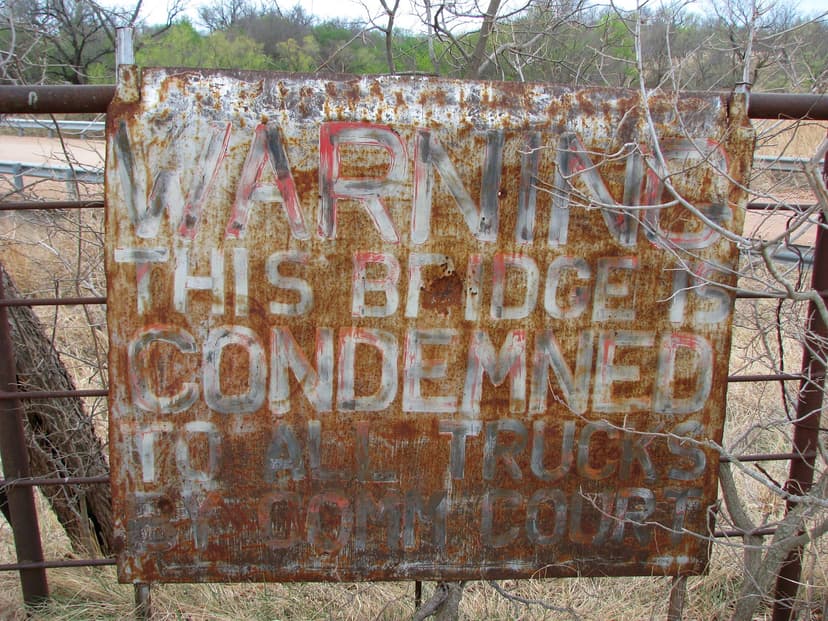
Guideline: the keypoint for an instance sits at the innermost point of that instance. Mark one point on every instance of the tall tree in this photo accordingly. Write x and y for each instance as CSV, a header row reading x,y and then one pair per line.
x,y
183,46
67,41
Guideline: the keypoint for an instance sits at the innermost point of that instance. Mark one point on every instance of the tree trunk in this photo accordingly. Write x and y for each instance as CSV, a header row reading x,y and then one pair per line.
x,y
444,605
61,437
472,69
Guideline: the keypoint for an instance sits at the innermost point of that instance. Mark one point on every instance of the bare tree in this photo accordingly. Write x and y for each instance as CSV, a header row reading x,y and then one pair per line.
x,y
223,15
70,41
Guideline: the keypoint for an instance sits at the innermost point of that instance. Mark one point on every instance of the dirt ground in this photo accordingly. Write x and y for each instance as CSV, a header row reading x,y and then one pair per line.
x,y
45,150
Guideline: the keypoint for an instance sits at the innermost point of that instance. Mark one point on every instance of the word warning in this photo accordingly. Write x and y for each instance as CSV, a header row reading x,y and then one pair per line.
x,y
414,328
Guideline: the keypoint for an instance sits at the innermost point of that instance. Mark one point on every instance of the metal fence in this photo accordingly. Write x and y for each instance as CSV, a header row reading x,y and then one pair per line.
x,y
69,128
54,172
19,484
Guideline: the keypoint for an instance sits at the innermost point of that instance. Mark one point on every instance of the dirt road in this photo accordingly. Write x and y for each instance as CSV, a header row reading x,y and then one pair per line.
x,y
44,150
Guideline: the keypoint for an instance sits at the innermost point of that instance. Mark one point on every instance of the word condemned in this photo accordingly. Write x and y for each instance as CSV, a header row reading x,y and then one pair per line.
x,y
513,361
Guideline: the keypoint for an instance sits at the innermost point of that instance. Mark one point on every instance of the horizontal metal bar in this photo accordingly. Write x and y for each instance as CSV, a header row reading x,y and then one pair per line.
x,y
80,99
49,205
55,99
53,301
53,394
55,172
788,106
781,163
743,294
784,159
737,532
769,377
43,481
787,167
80,562
794,254
77,127
768,457
796,207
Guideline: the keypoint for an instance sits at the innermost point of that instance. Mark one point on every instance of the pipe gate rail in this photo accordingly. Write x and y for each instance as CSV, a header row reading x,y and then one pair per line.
x,y
19,484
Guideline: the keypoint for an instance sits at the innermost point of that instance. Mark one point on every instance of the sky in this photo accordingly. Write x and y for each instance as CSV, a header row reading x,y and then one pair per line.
x,y
155,11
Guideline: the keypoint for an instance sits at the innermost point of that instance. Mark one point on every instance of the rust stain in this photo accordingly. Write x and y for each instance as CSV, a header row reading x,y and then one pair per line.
x,y
443,293
407,328
376,91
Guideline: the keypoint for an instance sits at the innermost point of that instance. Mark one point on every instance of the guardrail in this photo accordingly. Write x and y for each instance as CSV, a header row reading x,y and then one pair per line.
x,y
783,164
54,172
81,128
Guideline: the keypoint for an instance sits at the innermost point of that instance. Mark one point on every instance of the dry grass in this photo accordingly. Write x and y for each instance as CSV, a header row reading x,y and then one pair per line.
x,y
782,139
788,138
60,254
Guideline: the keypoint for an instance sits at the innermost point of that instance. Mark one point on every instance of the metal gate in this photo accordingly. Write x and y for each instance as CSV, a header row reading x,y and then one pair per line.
x,y
19,484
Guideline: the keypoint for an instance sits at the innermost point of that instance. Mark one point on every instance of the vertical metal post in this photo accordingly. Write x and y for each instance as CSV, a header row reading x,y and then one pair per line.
x,y
72,190
143,601
17,176
16,466
806,424
124,50
678,595
126,75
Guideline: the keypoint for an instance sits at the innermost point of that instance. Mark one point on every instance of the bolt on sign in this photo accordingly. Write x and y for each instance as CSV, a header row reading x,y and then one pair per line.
x,y
403,327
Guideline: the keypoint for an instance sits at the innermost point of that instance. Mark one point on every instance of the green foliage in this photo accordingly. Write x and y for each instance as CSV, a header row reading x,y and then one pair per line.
x,y
294,56
56,40
100,73
411,54
619,45
346,48
560,41
183,46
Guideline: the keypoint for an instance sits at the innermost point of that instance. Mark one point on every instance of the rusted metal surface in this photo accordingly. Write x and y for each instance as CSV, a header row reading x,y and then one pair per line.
x,y
409,328
678,596
52,394
807,425
48,205
812,107
20,500
53,301
43,99
85,99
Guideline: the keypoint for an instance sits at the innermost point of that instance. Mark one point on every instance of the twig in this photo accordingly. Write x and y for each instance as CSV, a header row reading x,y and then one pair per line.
x,y
533,602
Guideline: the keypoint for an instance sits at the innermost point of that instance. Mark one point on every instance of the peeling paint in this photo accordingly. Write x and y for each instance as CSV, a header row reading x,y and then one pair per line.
x,y
411,328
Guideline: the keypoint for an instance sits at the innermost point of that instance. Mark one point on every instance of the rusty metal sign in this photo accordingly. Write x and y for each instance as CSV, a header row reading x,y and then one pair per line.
x,y
404,327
